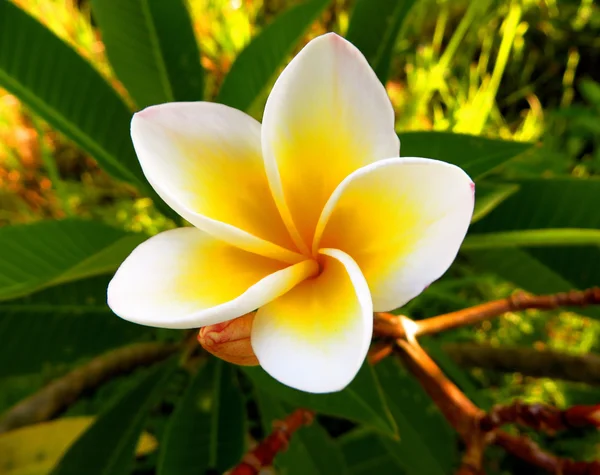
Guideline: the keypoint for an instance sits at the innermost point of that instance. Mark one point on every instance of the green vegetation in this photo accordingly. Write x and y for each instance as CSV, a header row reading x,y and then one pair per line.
x,y
507,89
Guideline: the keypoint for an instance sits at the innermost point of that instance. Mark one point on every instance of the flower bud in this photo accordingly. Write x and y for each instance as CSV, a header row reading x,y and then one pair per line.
x,y
230,340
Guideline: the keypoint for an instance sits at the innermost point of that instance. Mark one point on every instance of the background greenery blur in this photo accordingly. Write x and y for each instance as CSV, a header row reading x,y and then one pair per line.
x,y
520,70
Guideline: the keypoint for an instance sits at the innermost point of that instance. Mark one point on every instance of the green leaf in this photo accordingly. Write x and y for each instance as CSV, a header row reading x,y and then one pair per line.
x,y
488,196
427,444
546,203
107,447
366,454
61,325
591,91
207,430
152,49
362,401
256,65
311,449
47,253
478,156
533,238
65,90
381,16
562,207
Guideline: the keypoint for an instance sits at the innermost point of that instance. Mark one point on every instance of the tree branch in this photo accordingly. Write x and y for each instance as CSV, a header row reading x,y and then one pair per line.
x,y
541,417
460,412
277,441
527,450
388,325
60,393
477,429
528,361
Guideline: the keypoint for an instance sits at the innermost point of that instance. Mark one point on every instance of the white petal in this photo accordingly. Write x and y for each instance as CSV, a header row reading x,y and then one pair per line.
x,y
205,161
315,337
184,278
327,116
402,220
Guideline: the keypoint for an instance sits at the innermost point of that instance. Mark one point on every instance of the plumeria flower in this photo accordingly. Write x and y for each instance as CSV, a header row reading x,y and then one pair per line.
x,y
311,218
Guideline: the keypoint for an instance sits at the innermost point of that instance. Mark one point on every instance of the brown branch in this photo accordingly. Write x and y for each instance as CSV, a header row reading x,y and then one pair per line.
x,y
477,429
528,361
541,417
277,441
460,412
388,325
527,450
60,393
379,351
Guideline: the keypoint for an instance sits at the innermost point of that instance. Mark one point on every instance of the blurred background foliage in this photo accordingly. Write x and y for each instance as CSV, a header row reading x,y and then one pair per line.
x,y
516,70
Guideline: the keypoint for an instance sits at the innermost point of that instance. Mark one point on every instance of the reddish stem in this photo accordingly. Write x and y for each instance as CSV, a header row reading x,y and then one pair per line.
x,y
264,453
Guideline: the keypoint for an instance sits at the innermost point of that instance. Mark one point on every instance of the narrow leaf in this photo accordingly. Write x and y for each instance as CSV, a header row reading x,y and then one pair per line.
x,y
428,444
61,325
107,447
489,195
65,90
207,430
256,65
47,253
565,208
152,49
478,156
362,401
366,454
533,238
384,17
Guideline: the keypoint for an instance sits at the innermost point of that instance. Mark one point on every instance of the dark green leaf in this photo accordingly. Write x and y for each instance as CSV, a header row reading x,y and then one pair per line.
x,y
207,430
427,444
362,401
107,447
478,156
152,49
367,454
65,90
256,65
490,195
311,450
544,204
384,17
591,91
61,325
47,253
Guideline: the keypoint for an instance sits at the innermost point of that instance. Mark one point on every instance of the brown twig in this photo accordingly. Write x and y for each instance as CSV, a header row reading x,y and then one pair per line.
x,y
277,441
541,417
60,393
528,361
456,407
379,351
388,325
477,429
527,450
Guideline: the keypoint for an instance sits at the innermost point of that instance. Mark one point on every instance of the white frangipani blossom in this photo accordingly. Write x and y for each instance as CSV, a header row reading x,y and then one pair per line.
x,y
311,218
